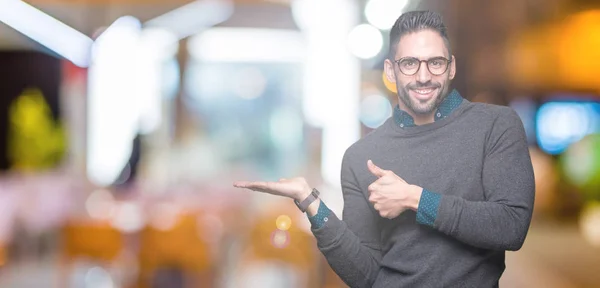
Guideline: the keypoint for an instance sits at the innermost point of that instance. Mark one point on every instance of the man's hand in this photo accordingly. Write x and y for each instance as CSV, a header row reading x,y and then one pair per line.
x,y
390,194
295,188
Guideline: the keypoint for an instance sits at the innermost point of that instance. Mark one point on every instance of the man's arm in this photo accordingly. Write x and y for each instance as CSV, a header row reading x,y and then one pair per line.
x,y
351,247
501,221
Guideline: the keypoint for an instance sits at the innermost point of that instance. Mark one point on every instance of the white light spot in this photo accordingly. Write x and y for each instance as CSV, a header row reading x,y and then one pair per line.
x,y
383,13
589,224
100,204
365,41
98,278
128,217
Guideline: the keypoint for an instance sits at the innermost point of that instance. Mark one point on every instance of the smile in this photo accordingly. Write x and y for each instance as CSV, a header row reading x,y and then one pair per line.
x,y
424,91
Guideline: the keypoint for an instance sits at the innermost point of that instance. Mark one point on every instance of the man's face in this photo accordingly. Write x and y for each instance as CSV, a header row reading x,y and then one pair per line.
x,y
422,92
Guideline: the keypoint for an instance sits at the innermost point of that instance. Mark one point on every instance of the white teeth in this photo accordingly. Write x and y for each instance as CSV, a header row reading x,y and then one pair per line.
x,y
424,91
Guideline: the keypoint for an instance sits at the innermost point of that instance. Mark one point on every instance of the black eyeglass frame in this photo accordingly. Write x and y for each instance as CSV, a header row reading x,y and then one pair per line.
x,y
448,62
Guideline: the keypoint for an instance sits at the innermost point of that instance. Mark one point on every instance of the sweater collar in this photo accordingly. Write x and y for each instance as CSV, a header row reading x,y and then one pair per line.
x,y
452,101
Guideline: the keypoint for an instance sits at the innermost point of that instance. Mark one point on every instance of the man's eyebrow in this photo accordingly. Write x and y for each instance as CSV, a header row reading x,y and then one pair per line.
x,y
440,56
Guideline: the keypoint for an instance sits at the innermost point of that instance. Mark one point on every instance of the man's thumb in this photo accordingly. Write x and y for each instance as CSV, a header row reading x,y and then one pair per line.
x,y
375,170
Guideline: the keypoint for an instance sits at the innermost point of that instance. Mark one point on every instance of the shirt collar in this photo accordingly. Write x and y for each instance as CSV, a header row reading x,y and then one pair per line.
x,y
452,101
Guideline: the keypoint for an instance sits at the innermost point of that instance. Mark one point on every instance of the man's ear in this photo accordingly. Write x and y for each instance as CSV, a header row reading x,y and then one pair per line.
x,y
452,68
388,68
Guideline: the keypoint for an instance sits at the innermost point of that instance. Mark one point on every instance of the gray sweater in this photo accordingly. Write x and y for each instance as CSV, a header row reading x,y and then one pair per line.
x,y
476,161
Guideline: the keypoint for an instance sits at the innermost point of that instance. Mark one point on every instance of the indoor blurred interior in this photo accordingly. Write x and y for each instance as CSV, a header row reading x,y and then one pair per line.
x,y
123,125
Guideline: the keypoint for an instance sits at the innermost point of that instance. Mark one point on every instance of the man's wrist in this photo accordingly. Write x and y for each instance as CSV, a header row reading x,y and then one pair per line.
x,y
313,208
302,195
415,197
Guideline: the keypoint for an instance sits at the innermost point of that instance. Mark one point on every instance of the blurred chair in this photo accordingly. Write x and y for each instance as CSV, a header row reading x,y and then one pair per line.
x,y
277,250
176,252
95,241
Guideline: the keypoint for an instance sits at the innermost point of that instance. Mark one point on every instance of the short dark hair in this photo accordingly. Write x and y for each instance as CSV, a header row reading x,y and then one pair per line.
x,y
415,21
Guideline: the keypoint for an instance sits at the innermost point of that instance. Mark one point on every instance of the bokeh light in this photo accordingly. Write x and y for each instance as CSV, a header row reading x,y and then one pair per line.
x,y
374,110
280,239
589,223
128,217
559,124
581,165
164,216
578,50
383,13
389,85
97,277
283,222
100,204
546,181
365,41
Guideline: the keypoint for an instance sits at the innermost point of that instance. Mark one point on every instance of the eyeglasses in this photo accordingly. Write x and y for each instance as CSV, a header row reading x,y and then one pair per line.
x,y
410,65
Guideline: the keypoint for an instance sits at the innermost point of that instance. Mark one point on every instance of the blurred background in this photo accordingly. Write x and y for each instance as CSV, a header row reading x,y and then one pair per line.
x,y
124,123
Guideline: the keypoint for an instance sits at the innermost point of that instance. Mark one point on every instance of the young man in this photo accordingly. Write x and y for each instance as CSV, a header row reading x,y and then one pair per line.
x,y
437,194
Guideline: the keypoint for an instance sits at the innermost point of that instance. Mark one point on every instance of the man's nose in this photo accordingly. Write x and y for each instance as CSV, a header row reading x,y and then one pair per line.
x,y
423,75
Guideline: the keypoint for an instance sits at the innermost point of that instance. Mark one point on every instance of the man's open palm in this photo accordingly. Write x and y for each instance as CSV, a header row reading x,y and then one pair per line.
x,y
294,188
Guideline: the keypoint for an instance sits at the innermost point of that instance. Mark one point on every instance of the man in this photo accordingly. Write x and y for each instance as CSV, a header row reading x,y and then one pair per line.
x,y
434,196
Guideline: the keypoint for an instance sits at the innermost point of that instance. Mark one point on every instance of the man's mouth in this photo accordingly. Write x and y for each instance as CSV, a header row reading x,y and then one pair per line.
x,y
423,93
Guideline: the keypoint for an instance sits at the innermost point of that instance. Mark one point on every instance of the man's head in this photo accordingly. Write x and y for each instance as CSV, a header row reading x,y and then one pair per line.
x,y
420,61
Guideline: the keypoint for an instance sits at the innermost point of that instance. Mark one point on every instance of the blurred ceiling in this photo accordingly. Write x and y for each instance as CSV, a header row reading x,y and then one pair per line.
x,y
483,33
87,16
84,17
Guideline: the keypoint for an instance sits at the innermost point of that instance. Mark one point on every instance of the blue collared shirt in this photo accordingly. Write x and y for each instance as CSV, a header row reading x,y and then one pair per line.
x,y
452,101
430,201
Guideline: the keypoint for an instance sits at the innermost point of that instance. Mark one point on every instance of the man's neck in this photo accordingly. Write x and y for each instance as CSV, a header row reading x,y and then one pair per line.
x,y
419,119
405,117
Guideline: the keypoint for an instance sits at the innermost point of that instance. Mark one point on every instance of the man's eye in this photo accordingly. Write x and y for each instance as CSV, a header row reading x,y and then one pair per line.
x,y
436,63
409,63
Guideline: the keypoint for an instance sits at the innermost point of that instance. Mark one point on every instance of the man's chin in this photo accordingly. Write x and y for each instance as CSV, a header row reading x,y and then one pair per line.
x,y
423,107
423,111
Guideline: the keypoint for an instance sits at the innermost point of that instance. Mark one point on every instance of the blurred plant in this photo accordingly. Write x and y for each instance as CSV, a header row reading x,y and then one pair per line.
x,y
581,166
35,140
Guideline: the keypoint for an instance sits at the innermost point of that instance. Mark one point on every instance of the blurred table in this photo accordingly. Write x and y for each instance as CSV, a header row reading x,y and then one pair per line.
x,y
554,255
